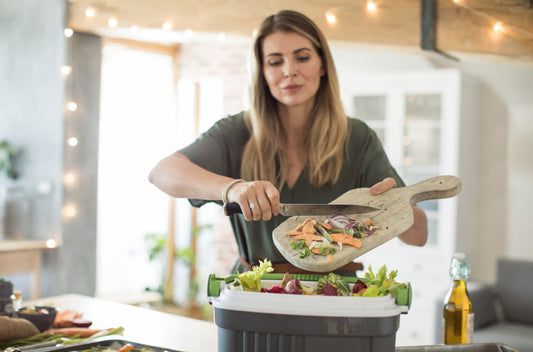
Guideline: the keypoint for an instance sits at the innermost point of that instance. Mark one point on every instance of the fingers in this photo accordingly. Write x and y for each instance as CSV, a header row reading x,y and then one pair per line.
x,y
258,199
383,186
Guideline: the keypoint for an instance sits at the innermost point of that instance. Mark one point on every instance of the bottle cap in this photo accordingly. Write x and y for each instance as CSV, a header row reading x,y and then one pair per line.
x,y
459,269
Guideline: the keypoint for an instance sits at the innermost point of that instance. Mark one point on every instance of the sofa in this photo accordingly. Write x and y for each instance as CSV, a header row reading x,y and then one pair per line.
x,y
503,312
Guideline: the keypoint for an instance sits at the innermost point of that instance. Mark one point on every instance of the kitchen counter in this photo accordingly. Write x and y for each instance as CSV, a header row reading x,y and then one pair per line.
x,y
140,324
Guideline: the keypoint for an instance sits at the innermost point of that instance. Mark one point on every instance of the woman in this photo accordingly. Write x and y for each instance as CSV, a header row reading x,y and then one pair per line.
x,y
294,145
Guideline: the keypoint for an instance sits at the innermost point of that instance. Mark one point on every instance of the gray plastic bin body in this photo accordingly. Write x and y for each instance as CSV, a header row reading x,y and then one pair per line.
x,y
241,331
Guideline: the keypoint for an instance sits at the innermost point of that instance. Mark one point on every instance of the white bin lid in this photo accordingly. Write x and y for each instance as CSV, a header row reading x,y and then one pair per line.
x,y
307,305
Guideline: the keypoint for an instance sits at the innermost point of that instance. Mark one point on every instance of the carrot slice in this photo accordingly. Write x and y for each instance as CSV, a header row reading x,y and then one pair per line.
x,y
347,239
327,226
294,233
330,258
309,227
126,348
309,236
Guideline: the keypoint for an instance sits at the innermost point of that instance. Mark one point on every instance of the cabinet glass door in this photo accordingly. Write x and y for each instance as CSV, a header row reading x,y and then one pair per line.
x,y
421,149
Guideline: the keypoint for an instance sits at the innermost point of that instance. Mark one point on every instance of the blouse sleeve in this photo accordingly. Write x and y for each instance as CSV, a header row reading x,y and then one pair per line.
x,y
219,149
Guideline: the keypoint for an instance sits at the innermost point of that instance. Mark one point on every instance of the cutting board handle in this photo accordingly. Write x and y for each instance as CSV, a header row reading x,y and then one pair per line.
x,y
434,188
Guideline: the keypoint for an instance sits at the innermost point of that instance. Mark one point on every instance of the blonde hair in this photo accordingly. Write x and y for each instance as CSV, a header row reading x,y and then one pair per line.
x,y
264,157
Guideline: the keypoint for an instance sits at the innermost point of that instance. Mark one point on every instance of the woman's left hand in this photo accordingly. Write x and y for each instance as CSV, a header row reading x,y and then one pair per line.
x,y
417,234
383,186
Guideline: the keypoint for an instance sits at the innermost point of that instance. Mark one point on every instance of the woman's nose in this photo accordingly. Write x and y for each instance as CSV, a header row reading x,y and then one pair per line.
x,y
290,70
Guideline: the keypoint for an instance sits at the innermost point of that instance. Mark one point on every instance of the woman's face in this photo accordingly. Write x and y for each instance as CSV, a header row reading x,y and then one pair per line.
x,y
292,68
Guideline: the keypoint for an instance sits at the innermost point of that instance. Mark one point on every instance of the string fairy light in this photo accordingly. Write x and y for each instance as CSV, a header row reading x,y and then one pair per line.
x,y
90,12
331,18
72,141
112,22
72,106
68,32
371,6
66,70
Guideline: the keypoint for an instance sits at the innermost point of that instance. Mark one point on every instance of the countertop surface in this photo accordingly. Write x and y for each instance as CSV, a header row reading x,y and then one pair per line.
x,y
141,325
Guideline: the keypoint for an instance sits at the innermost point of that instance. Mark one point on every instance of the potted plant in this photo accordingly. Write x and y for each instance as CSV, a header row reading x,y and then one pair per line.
x,y
7,155
9,192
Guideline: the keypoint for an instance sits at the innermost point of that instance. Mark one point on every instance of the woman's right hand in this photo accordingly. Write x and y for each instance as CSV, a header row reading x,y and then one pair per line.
x,y
257,199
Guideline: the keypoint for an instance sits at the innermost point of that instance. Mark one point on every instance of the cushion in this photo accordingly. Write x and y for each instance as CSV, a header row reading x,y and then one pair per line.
x,y
516,336
483,302
515,290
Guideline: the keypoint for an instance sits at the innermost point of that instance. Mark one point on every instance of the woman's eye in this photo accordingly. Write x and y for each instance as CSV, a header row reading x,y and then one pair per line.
x,y
303,59
275,63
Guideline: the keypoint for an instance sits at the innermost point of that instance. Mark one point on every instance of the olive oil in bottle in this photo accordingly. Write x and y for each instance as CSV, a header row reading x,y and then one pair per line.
x,y
458,315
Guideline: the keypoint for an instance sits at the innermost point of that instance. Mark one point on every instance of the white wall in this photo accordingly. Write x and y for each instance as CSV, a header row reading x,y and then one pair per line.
x,y
505,159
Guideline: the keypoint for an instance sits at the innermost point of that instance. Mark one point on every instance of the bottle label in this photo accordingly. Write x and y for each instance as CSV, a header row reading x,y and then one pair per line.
x,y
470,328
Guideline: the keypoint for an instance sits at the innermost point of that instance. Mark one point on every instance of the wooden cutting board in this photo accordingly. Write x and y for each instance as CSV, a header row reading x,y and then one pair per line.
x,y
394,217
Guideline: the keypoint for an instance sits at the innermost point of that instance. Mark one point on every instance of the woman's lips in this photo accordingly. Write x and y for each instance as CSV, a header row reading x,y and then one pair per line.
x,y
292,87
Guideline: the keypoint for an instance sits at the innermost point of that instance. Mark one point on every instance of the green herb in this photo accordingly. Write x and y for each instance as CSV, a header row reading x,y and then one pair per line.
x,y
327,250
298,245
305,253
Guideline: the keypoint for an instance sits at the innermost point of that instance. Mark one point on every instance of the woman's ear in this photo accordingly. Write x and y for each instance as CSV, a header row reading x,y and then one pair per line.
x,y
322,71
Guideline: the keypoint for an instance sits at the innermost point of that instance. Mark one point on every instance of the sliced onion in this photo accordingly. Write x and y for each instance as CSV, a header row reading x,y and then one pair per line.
x,y
369,232
336,224
350,225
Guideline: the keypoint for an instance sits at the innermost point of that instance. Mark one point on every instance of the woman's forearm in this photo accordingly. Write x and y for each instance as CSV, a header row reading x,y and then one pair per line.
x,y
177,176
417,234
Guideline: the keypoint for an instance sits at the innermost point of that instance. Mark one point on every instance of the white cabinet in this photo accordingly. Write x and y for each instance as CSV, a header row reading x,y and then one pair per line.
x,y
426,121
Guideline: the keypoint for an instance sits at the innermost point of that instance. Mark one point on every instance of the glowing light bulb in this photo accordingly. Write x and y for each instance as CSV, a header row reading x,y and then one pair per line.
x,y
72,106
498,27
69,211
72,141
51,243
167,26
371,6
112,22
90,12
70,178
331,18
65,70
189,32
456,1
68,32
254,33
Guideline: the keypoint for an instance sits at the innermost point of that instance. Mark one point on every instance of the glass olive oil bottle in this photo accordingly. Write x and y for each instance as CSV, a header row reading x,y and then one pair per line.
x,y
458,315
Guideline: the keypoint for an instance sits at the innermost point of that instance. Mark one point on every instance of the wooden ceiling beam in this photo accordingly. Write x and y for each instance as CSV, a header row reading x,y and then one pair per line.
x,y
464,28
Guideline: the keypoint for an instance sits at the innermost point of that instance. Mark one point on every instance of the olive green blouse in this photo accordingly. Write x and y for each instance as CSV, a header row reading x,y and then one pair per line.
x,y
220,150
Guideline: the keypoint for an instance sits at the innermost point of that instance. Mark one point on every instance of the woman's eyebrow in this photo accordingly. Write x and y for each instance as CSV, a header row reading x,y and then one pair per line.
x,y
294,52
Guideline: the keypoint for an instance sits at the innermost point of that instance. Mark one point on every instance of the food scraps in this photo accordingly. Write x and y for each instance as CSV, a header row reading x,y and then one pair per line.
x,y
372,284
328,237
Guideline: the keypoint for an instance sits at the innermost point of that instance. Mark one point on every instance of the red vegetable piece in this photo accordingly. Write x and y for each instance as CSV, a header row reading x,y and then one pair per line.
x,y
274,289
328,290
358,286
81,323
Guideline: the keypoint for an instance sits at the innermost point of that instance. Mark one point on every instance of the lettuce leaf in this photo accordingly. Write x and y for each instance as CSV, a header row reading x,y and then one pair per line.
x,y
380,284
251,280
